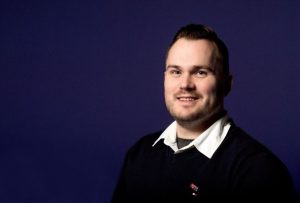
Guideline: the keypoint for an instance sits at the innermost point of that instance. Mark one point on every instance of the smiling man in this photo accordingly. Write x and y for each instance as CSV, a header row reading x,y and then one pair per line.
x,y
193,94
202,156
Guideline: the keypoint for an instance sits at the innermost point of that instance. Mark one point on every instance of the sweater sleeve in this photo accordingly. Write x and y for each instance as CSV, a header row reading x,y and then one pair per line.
x,y
263,177
125,188
119,193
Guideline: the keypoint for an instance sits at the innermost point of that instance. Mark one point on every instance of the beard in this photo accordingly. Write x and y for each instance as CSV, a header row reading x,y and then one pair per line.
x,y
197,116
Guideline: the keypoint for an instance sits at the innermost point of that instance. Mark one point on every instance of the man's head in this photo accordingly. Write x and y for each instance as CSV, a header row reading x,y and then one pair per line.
x,y
197,75
198,32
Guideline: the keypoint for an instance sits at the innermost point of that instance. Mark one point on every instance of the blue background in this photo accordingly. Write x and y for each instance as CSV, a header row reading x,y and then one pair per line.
x,y
81,81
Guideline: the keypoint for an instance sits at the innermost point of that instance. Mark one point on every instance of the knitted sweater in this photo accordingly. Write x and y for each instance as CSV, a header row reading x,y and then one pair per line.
x,y
241,170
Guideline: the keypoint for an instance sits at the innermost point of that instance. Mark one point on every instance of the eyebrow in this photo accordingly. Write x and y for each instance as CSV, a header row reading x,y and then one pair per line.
x,y
173,66
196,67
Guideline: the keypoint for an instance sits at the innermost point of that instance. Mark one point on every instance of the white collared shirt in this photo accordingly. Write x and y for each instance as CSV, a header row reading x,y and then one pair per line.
x,y
206,143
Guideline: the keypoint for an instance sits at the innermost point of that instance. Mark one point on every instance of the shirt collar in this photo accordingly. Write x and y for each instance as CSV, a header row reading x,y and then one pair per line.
x,y
206,143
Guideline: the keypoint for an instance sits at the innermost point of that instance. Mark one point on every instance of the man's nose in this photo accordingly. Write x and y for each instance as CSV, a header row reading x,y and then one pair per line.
x,y
187,82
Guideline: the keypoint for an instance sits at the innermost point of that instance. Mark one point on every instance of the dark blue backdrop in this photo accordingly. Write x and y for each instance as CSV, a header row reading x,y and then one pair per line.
x,y
81,81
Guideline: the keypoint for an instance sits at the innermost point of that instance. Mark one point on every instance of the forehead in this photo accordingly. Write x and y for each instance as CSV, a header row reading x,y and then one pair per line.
x,y
191,52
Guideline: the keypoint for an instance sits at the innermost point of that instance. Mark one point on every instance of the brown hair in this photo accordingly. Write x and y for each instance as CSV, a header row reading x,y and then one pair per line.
x,y
198,31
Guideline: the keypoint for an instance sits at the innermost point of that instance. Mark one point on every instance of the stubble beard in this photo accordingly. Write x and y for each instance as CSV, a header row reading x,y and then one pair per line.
x,y
200,117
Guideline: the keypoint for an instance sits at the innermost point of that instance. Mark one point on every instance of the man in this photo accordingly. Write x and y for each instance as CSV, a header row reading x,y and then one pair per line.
x,y
202,156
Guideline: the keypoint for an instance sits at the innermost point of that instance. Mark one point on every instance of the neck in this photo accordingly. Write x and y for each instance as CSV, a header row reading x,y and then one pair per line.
x,y
191,130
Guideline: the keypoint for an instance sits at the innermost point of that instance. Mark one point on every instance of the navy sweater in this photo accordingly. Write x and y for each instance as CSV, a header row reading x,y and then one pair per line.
x,y
241,170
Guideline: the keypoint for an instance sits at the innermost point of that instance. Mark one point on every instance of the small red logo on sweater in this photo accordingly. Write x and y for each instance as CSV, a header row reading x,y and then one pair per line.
x,y
194,188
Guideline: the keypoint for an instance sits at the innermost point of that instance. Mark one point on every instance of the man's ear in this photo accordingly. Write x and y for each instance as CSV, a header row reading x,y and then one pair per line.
x,y
227,84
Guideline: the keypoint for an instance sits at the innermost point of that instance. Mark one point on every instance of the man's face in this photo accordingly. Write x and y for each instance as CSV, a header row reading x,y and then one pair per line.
x,y
192,80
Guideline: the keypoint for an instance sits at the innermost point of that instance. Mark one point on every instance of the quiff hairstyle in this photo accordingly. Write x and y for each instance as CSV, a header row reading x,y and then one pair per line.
x,y
197,32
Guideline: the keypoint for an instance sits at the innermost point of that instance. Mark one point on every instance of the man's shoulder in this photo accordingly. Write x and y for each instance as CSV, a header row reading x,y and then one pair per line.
x,y
246,148
256,164
150,138
240,139
145,143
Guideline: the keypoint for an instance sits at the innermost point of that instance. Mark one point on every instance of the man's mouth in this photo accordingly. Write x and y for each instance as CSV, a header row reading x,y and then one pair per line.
x,y
187,98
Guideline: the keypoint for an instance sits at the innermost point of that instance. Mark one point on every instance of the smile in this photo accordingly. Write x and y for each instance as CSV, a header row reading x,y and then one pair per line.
x,y
187,98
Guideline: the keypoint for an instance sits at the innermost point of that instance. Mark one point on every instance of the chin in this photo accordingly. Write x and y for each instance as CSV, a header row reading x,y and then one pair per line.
x,y
196,117
189,118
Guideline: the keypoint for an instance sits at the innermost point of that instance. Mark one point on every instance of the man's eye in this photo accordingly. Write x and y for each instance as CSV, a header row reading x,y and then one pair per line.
x,y
201,73
175,72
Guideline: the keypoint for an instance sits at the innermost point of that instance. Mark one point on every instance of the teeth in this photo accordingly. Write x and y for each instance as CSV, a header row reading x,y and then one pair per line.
x,y
186,99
